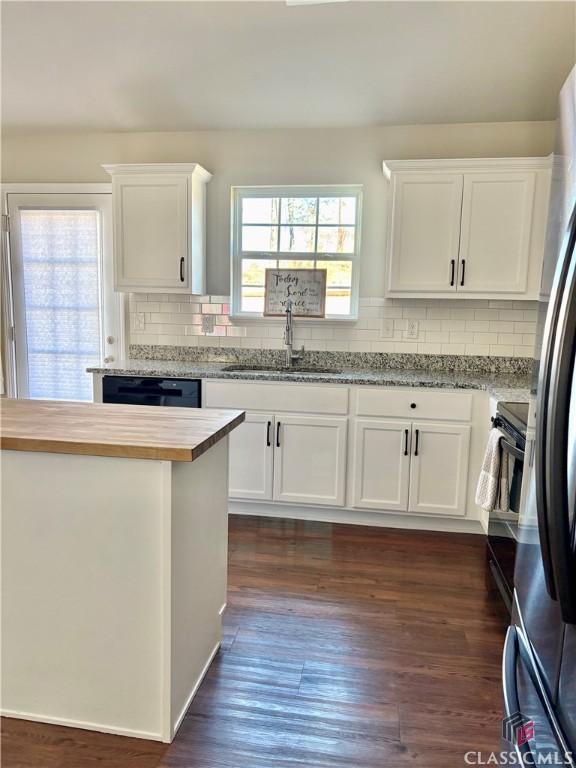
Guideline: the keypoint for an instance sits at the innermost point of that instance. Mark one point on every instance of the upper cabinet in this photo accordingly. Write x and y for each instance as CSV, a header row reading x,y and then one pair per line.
x,y
467,228
159,227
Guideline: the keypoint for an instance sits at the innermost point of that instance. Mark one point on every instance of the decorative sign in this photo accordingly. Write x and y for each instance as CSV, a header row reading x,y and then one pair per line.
x,y
305,287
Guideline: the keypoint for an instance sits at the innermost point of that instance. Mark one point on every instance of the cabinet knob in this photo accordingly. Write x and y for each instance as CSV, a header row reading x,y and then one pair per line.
x,y
412,405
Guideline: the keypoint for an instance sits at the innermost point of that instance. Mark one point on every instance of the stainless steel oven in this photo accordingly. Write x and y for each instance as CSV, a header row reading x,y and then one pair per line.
x,y
511,419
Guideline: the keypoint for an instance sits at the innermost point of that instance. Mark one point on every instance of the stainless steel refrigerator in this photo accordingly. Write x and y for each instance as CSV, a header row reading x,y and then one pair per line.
x,y
539,661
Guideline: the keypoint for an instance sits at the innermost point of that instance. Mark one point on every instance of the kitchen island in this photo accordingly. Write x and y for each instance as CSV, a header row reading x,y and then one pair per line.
x,y
114,557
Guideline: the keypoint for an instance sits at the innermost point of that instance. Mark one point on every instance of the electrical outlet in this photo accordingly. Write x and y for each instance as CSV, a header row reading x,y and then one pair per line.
x,y
387,329
208,322
411,329
138,321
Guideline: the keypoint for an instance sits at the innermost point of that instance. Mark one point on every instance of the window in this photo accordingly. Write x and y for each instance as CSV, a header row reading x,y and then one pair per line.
x,y
65,312
296,228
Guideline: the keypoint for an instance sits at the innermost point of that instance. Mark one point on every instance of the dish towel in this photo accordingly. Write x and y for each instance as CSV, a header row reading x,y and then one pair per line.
x,y
493,487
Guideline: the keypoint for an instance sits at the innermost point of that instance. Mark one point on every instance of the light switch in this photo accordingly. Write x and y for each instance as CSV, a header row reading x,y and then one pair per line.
x,y
387,329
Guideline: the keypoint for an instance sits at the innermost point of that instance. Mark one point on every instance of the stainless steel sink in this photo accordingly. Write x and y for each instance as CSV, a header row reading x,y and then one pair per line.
x,y
272,369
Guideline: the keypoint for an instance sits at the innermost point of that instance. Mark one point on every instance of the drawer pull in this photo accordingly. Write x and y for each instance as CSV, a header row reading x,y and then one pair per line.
x,y
412,405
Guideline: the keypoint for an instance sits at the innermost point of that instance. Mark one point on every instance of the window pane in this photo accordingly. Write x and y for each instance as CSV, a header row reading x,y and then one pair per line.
x,y
252,300
337,210
335,240
297,239
60,254
338,301
298,210
260,210
296,264
263,239
339,273
253,270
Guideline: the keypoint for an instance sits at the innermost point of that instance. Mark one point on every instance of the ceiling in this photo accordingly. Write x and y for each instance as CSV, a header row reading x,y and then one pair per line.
x,y
141,66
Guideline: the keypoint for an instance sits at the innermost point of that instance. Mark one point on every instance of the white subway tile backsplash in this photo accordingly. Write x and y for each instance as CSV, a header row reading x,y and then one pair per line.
x,y
485,338
453,349
500,326
511,314
451,327
477,325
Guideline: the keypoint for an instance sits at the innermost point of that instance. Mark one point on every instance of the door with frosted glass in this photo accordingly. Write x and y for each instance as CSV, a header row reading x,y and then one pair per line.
x,y
66,316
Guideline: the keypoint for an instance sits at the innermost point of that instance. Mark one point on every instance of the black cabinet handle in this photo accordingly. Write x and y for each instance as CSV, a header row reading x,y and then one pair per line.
x,y
268,427
416,443
278,435
463,272
405,442
452,271
182,269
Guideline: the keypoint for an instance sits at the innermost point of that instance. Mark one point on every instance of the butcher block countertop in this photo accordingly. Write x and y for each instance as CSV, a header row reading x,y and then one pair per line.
x,y
123,431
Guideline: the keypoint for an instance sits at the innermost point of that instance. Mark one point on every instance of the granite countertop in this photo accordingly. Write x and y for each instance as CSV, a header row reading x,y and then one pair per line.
x,y
502,386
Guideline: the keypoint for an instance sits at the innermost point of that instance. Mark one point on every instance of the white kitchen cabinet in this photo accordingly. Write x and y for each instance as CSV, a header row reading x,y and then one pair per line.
x,y
466,228
251,454
495,232
381,464
310,459
408,451
159,227
439,468
425,231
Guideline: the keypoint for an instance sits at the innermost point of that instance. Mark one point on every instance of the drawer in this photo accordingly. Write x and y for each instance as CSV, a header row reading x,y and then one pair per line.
x,y
414,404
276,397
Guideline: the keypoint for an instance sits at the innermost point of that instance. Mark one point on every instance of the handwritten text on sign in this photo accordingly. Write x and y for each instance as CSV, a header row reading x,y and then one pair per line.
x,y
306,288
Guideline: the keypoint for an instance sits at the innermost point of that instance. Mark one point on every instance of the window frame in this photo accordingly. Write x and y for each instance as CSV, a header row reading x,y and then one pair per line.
x,y
238,193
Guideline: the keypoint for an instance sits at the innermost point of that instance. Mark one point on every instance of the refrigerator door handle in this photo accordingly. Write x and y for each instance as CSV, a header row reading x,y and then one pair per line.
x,y
558,437
543,409
510,689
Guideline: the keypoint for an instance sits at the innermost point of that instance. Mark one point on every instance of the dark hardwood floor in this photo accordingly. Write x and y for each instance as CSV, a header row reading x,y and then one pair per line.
x,y
343,646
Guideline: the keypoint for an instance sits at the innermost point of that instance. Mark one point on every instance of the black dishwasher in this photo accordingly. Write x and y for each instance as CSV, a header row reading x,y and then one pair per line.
x,y
152,390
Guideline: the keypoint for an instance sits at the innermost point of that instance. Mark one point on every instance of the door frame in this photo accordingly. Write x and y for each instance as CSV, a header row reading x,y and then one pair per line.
x,y
7,338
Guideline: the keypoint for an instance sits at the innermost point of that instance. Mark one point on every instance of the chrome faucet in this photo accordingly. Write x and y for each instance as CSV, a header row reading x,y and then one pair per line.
x,y
291,356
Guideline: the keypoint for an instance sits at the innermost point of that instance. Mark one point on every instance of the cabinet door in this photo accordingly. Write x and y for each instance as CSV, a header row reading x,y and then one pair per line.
x,y
310,460
151,233
381,464
439,468
251,458
425,231
496,227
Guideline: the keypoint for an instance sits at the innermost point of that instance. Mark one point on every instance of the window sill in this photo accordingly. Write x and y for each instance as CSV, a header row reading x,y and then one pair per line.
x,y
260,320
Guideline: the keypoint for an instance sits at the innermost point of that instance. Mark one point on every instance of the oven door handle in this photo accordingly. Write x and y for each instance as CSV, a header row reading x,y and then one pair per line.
x,y
518,453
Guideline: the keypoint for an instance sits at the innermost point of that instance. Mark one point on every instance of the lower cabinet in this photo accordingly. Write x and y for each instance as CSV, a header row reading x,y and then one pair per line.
x,y
395,464
410,466
251,458
310,460
439,468
289,458
381,464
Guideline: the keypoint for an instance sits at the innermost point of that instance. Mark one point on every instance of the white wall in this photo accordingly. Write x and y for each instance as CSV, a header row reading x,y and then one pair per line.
x,y
304,156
